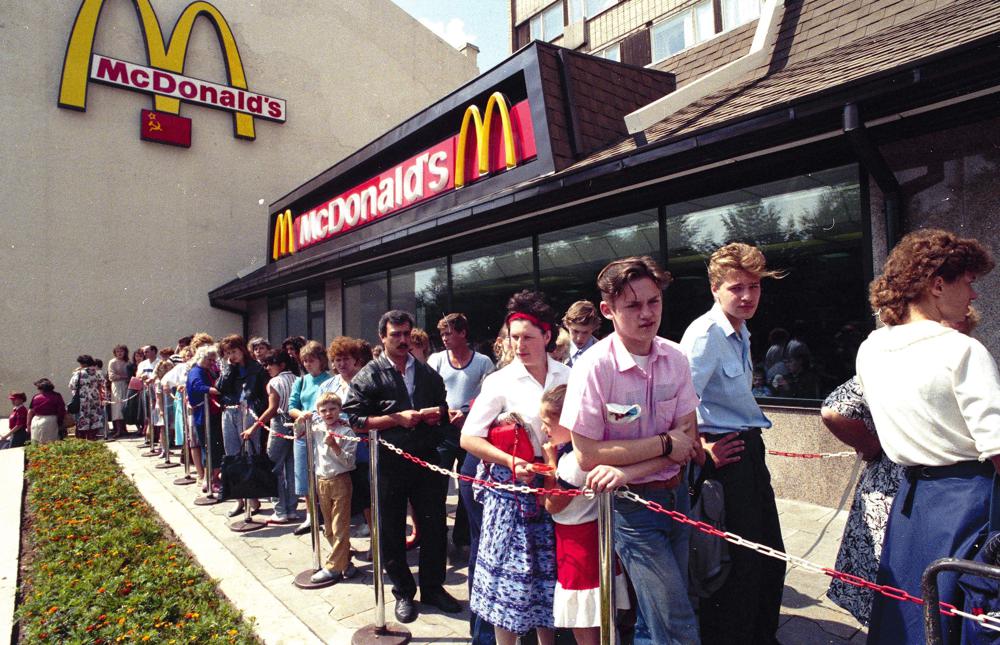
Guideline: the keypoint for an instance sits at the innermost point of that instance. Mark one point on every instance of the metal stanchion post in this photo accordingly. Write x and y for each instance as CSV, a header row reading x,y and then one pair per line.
x,y
144,404
247,523
150,408
606,555
187,479
303,580
104,417
211,497
168,428
380,632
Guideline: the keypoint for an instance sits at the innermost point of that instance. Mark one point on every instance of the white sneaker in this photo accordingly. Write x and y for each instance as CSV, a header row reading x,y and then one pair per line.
x,y
325,575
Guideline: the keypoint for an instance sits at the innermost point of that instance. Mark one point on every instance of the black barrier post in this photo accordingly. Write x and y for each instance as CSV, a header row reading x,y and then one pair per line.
x,y
167,429
380,633
929,587
210,498
150,400
185,411
247,523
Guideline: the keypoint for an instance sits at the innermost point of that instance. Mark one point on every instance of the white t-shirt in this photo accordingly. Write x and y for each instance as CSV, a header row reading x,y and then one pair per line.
x,y
934,394
580,510
513,389
462,383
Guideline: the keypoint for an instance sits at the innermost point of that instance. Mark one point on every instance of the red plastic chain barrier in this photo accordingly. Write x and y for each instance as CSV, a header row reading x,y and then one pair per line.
x,y
947,609
812,455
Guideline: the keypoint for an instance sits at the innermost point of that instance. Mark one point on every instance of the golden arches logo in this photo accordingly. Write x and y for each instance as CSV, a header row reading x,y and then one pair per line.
x,y
284,235
170,57
482,124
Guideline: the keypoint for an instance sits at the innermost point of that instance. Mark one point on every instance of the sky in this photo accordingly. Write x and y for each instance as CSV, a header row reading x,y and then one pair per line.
x,y
480,22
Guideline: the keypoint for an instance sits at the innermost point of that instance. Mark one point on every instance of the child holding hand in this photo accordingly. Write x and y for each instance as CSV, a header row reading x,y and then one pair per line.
x,y
577,596
334,453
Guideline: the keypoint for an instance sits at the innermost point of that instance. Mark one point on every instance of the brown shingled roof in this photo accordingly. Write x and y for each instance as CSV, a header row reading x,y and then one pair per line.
x,y
931,33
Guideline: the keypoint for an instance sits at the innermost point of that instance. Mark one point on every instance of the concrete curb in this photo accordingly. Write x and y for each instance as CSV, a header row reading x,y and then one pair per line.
x,y
12,483
274,622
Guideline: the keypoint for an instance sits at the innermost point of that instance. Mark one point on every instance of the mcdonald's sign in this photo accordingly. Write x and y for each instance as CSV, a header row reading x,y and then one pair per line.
x,y
164,77
284,236
448,165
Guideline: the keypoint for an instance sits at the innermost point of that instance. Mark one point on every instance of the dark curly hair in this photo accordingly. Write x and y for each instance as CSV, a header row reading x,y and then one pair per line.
x,y
920,257
534,304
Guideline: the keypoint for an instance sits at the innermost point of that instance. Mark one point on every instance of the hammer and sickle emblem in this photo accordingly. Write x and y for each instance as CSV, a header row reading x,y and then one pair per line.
x,y
154,124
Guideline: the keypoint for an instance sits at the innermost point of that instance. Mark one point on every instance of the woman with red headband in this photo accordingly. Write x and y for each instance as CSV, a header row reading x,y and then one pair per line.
x,y
514,572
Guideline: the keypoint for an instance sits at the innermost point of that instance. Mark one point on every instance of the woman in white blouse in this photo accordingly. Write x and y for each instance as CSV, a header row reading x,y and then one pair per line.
x,y
934,395
514,570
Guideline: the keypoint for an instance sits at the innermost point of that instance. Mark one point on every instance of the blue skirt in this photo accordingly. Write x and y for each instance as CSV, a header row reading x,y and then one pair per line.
x,y
930,519
515,574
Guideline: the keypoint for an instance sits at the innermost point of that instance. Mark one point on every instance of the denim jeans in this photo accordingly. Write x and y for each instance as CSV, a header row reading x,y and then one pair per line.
x,y
279,451
231,431
658,574
301,451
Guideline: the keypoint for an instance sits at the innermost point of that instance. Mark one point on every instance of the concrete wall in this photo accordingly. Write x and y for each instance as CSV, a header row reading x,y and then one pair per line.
x,y
110,239
829,482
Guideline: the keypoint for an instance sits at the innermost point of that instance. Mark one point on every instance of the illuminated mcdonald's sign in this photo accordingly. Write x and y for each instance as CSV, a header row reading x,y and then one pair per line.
x,y
163,77
284,236
498,102
434,171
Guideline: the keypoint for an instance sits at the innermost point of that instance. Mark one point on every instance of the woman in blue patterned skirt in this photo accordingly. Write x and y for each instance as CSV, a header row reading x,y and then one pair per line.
x,y
515,571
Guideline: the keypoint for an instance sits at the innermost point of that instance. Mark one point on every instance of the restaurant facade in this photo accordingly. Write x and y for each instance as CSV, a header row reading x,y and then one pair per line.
x,y
541,170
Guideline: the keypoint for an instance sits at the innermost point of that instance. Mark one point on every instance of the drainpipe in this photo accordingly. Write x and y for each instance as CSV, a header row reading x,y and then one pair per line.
x,y
873,161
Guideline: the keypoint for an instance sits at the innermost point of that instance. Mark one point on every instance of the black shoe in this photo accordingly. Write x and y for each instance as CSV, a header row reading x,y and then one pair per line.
x,y
406,610
303,528
239,510
439,598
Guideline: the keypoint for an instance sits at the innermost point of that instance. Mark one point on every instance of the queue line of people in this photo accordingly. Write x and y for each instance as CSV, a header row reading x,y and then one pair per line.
x,y
631,408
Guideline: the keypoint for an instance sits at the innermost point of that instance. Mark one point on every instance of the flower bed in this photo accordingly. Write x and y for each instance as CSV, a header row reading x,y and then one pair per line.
x,y
98,567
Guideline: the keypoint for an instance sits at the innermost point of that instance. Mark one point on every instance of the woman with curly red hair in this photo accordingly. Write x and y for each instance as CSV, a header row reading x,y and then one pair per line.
x,y
934,395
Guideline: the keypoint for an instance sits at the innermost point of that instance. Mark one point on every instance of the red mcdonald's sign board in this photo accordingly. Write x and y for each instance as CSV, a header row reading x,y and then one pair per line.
x,y
502,137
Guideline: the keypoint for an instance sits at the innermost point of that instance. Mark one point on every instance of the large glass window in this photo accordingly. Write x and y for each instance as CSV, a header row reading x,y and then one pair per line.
x,y
300,313
421,289
547,25
738,12
483,280
686,29
809,324
365,300
581,9
570,259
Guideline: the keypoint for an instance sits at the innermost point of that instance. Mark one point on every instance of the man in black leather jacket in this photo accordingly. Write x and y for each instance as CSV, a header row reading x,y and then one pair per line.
x,y
406,402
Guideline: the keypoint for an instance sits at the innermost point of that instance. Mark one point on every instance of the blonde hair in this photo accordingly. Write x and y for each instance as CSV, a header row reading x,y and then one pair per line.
x,y
162,368
314,349
328,398
738,256
583,313
554,398
200,340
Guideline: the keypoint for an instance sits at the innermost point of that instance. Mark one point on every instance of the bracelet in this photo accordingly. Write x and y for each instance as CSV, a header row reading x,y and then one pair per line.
x,y
666,444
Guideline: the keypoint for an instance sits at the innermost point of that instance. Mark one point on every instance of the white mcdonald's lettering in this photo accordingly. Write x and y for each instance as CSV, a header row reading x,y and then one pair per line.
x,y
112,71
412,181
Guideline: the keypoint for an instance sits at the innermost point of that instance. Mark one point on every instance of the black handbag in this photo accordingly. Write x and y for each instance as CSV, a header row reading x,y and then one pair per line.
x,y
248,475
74,404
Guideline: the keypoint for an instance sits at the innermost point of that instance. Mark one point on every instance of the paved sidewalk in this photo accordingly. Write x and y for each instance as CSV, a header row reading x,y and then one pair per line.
x,y
256,569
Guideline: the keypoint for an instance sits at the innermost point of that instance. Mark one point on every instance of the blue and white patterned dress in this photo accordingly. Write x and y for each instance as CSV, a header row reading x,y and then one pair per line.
x,y
515,576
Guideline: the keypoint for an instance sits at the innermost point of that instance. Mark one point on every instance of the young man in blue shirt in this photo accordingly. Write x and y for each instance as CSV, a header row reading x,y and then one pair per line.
x,y
745,609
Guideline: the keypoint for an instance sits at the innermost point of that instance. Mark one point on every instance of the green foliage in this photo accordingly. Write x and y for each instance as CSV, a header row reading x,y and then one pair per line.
x,y
100,567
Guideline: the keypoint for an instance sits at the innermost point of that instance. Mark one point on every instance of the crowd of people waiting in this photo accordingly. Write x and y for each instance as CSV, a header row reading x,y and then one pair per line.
x,y
630,409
